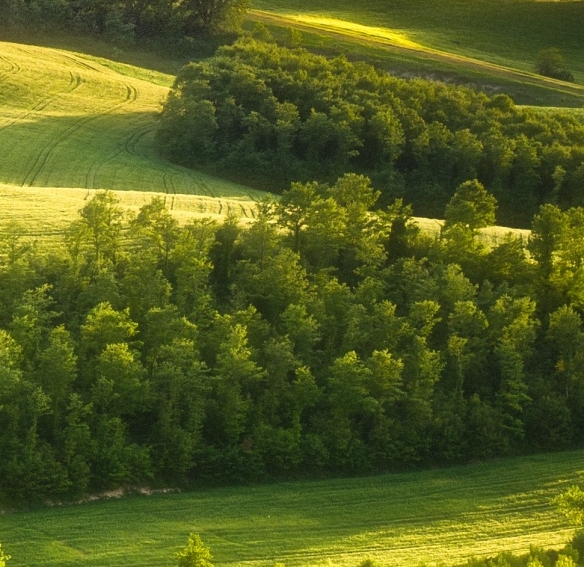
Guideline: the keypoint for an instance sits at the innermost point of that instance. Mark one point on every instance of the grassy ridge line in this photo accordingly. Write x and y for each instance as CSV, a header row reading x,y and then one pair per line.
x,y
70,121
431,517
396,42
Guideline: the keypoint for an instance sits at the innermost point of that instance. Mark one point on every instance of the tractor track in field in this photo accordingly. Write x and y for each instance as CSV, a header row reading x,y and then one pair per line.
x,y
437,55
75,81
13,67
128,146
130,96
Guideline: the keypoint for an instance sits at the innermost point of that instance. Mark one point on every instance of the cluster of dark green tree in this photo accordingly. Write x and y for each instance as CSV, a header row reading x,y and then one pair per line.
x,y
269,116
123,22
328,336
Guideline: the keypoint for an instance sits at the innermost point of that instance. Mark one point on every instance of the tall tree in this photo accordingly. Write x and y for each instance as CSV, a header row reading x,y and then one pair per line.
x,y
211,16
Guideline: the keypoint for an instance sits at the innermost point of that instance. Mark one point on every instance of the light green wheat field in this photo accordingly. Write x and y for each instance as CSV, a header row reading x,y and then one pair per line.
x,y
70,125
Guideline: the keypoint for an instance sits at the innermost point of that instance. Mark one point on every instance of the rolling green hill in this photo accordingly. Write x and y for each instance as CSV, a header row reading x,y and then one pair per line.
x,y
433,517
69,122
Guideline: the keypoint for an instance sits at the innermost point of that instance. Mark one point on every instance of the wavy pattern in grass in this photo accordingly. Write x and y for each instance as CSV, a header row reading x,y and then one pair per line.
x,y
443,516
67,121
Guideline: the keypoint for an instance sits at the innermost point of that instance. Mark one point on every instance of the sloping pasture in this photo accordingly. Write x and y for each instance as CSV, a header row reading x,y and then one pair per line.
x,y
505,32
70,122
433,517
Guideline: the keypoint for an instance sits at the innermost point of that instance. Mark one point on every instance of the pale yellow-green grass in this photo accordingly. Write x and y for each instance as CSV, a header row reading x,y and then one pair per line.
x,y
67,121
43,214
490,236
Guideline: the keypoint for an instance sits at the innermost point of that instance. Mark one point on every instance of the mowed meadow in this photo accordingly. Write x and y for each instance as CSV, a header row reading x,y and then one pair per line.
x,y
70,125
433,517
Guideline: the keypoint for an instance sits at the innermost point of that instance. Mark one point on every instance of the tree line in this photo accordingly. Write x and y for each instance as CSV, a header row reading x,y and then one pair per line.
x,y
179,26
329,337
268,116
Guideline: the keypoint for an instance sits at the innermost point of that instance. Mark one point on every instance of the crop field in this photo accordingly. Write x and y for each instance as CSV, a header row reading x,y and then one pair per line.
x,y
73,124
67,121
43,214
435,517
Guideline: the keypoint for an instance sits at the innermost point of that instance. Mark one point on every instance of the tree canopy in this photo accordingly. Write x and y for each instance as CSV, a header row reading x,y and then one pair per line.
x,y
270,116
330,335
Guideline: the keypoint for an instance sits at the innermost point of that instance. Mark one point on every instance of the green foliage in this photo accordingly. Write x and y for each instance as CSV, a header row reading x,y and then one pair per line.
x,y
3,557
550,62
195,554
471,206
271,116
571,504
326,336
121,24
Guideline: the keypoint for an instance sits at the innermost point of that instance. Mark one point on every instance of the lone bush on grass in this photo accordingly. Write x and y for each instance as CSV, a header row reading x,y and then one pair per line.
x,y
3,557
195,554
551,63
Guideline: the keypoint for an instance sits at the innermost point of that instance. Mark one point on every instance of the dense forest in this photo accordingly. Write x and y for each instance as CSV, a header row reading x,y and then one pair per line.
x,y
268,116
329,336
186,26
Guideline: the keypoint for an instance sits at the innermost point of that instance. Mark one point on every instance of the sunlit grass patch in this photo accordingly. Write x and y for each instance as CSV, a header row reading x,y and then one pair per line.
x,y
433,517
67,121
395,37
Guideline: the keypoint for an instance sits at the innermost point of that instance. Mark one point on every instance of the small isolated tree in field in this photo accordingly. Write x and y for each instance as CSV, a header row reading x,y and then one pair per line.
x,y
195,554
550,63
571,504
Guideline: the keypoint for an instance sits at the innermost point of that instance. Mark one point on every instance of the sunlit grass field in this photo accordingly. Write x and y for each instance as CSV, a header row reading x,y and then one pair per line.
x,y
43,214
506,32
434,517
491,44
69,121
71,124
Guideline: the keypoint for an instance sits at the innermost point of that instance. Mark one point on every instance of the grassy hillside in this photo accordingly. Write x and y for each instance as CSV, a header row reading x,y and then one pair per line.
x,y
71,124
431,517
510,33
67,121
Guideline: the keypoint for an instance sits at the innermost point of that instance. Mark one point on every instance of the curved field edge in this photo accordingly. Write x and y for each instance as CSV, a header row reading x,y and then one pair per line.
x,y
71,121
44,213
434,517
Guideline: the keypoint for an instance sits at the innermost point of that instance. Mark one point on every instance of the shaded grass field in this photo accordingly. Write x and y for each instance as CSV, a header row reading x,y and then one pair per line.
x,y
67,121
442,516
508,32
491,43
